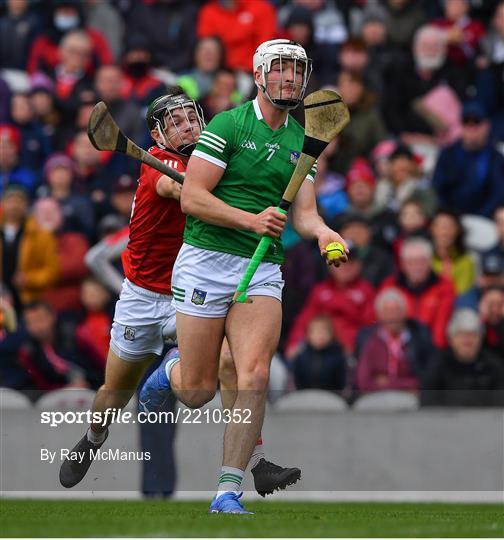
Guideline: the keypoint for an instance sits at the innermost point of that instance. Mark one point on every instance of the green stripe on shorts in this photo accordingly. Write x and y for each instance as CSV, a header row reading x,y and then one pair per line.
x,y
178,289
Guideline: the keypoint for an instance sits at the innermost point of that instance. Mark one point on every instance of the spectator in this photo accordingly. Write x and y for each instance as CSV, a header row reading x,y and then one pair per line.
x,y
43,105
208,60
380,156
72,246
240,25
329,186
223,94
361,186
493,43
78,215
393,353
345,297
451,259
366,129
430,297
299,27
64,17
381,53
376,261
18,28
12,337
491,64
499,222
330,29
93,333
413,221
123,195
406,82
104,258
72,84
492,270
12,170
469,174
109,84
171,49
140,84
35,145
105,18
95,171
49,363
497,252
491,309
464,374
83,115
321,363
412,218
355,58
8,317
404,17
491,275
29,257
404,181
463,34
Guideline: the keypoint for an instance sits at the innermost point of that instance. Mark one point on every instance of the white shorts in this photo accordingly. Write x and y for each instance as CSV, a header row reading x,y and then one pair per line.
x,y
143,320
204,282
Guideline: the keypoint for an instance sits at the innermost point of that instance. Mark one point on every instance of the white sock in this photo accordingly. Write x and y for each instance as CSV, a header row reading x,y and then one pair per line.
x,y
169,365
257,454
96,437
230,480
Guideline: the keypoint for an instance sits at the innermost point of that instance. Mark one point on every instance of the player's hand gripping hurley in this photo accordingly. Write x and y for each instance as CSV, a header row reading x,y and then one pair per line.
x,y
325,117
105,134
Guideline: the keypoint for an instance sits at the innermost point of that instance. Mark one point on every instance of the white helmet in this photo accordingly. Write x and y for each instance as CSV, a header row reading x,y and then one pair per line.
x,y
279,49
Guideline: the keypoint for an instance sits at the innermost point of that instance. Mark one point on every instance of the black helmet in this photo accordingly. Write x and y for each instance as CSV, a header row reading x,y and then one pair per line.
x,y
159,114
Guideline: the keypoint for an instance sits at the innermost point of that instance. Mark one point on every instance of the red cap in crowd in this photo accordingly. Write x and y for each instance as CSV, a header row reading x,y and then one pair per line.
x,y
360,171
10,133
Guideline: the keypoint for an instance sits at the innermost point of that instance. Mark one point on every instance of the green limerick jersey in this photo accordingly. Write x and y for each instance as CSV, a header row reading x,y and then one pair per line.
x,y
258,163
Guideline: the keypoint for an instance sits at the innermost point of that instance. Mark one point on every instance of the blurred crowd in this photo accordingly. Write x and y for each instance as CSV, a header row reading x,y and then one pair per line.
x,y
415,183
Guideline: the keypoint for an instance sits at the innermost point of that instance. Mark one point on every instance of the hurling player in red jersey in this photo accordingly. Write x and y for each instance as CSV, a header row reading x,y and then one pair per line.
x,y
144,316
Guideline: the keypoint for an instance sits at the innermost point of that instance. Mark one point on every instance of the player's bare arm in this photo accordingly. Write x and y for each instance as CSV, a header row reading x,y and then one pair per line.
x,y
168,188
197,200
309,225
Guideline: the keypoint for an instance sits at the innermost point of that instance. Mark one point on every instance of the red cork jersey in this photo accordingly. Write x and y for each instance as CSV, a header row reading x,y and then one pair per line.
x,y
155,231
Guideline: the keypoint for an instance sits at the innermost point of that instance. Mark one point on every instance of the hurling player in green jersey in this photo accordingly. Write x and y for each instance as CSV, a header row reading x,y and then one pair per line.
x,y
236,176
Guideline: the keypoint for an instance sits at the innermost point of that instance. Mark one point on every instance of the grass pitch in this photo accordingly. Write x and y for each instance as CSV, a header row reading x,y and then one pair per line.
x,y
51,518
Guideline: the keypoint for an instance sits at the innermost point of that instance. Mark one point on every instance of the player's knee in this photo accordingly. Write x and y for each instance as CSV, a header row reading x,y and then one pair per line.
x,y
115,397
194,399
227,370
255,378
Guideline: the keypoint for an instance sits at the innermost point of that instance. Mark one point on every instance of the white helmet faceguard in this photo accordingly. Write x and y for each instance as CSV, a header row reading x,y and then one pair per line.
x,y
281,50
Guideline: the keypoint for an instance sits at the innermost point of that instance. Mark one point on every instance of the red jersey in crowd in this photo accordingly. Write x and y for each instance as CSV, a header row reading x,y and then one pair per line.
x,y
156,229
472,32
432,305
350,307
45,55
241,28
